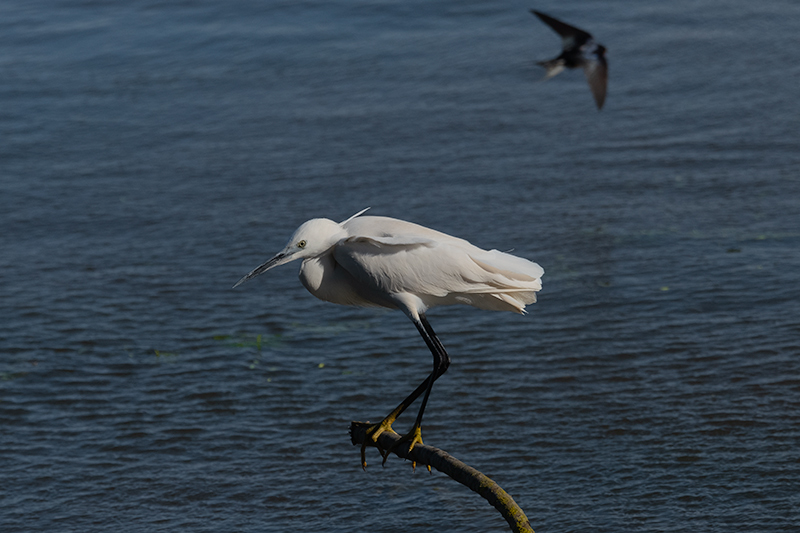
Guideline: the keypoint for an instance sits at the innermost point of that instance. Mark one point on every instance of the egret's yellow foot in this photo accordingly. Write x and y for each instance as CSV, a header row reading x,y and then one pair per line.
x,y
373,432
413,438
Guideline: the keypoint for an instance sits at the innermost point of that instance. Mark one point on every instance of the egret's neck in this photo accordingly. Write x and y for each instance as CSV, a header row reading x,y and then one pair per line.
x,y
328,281
322,277
312,273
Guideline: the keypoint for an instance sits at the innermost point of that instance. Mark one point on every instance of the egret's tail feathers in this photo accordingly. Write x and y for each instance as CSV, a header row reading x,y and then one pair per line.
x,y
511,283
517,300
499,301
521,271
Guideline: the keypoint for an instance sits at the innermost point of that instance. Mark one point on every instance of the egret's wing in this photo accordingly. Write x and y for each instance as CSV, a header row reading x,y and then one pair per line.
x,y
394,231
388,241
427,268
392,264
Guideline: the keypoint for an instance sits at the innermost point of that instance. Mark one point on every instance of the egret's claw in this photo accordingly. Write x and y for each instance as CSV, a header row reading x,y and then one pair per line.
x,y
373,432
413,438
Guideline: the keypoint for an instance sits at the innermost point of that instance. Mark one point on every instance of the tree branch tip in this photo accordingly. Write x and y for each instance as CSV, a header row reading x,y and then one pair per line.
x,y
447,464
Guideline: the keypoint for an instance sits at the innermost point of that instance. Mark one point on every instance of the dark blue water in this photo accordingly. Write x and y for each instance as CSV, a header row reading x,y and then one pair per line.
x,y
153,153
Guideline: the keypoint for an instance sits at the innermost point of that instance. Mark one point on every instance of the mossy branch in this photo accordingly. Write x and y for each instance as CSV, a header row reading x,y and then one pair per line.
x,y
447,464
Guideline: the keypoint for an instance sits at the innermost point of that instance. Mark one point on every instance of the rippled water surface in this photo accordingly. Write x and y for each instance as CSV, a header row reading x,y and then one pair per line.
x,y
152,153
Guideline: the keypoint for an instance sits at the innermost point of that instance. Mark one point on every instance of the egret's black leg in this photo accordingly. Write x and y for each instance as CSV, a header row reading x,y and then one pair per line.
x,y
441,361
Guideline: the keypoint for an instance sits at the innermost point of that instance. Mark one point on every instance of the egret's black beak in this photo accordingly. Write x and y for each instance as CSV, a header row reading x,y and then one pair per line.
x,y
279,259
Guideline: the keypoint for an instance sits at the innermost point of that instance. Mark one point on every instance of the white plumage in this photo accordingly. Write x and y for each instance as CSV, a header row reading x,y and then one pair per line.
x,y
386,262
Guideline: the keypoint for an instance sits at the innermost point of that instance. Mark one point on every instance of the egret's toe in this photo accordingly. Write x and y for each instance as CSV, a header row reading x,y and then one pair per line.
x,y
413,438
373,432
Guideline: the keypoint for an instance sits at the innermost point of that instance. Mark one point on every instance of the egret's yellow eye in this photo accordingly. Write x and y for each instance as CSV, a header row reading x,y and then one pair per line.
x,y
301,244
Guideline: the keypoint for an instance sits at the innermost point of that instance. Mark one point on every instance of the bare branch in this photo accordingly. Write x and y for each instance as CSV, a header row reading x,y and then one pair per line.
x,y
447,464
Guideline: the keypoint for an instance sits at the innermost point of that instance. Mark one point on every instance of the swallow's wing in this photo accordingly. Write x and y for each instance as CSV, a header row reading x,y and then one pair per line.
x,y
596,71
571,36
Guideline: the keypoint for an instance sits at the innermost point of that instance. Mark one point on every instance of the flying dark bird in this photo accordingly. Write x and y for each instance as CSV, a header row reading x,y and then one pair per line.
x,y
579,50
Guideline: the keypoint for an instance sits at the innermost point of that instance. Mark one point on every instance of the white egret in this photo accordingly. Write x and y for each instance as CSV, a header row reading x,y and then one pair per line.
x,y
385,262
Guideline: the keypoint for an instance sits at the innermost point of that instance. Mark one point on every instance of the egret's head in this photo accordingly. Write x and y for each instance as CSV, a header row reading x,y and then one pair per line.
x,y
312,239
